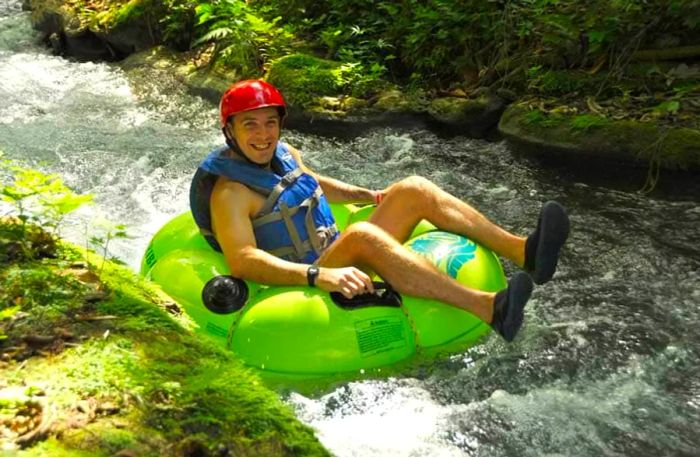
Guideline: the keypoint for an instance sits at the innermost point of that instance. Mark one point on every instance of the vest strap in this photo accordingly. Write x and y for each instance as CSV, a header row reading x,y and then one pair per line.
x,y
270,217
274,216
286,181
319,237
318,241
292,230
289,250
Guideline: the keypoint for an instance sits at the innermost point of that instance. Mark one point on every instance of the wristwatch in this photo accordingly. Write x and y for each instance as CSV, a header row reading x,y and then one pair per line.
x,y
311,275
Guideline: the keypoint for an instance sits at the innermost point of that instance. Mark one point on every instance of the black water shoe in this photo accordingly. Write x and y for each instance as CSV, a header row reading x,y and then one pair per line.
x,y
543,245
509,304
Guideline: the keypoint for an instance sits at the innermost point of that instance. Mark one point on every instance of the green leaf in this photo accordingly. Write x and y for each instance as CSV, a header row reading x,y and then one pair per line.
x,y
670,106
596,36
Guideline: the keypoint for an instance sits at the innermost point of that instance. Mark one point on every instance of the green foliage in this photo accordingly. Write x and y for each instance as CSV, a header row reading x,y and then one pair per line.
x,y
441,40
669,106
302,78
40,197
178,23
241,39
171,21
539,118
7,313
433,42
41,295
106,232
557,82
20,242
588,121
37,198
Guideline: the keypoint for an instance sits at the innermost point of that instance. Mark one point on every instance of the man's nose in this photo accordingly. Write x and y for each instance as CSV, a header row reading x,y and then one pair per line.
x,y
269,132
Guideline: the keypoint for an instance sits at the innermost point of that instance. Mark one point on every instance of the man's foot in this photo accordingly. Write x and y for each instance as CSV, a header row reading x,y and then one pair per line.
x,y
543,245
508,306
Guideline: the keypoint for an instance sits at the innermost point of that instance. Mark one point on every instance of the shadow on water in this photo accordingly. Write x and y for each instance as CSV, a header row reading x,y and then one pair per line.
x,y
641,177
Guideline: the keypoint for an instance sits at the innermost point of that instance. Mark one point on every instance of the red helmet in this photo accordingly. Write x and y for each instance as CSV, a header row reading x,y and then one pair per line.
x,y
249,95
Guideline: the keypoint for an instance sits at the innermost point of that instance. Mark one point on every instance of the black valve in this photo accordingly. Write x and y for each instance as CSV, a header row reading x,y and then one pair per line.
x,y
224,294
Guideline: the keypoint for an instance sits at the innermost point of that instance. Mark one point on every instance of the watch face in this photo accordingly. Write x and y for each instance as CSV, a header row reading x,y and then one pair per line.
x,y
311,275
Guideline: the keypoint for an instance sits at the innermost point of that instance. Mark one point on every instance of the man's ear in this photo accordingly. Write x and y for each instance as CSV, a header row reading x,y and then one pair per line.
x,y
228,129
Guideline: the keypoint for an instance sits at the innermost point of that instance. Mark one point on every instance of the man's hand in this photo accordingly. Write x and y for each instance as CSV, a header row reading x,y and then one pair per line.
x,y
379,195
349,281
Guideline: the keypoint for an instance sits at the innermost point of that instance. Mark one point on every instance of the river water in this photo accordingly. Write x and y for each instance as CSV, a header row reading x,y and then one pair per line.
x,y
608,362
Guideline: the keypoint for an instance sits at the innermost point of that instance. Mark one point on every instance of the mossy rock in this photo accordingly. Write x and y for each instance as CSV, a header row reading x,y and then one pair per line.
x,y
475,117
49,16
303,78
457,110
80,33
630,141
393,101
209,83
159,57
352,104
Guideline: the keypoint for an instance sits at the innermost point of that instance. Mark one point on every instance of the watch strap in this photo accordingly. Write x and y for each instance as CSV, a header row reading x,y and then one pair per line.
x,y
311,275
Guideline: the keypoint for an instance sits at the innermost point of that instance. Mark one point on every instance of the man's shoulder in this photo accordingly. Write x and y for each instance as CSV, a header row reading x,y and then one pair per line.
x,y
232,191
234,196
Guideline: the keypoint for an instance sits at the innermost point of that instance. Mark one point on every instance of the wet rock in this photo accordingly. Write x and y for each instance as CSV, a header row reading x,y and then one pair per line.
x,y
132,36
84,45
352,104
507,95
392,101
473,117
68,36
208,83
331,103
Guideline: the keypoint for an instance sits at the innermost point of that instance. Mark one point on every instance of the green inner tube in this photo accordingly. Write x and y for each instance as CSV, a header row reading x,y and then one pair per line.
x,y
301,332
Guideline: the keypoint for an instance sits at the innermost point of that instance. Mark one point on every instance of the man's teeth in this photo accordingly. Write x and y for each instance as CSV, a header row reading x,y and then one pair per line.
x,y
261,146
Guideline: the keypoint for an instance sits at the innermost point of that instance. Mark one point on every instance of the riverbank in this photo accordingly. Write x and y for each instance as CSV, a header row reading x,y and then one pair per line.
x,y
97,362
643,114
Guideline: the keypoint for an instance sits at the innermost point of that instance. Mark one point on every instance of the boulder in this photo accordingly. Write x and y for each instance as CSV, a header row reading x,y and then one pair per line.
x,y
209,83
69,36
629,141
392,101
472,117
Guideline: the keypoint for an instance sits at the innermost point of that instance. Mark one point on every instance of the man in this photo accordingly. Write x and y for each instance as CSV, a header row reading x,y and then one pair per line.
x,y
257,202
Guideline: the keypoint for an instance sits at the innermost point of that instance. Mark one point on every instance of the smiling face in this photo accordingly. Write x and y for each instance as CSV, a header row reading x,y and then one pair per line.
x,y
257,133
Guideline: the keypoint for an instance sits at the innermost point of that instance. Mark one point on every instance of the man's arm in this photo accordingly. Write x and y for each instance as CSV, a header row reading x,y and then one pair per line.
x,y
337,191
231,209
232,205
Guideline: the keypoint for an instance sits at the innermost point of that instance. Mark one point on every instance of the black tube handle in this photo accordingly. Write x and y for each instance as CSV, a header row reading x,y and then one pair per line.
x,y
224,294
383,295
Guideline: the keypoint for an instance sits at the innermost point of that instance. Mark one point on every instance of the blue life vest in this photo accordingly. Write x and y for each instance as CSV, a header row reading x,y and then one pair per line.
x,y
295,223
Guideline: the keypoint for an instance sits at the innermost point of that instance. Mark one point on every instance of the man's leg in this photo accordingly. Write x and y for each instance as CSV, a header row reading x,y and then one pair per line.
x,y
416,198
366,246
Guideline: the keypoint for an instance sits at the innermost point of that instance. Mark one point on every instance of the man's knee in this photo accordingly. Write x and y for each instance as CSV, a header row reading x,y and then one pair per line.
x,y
413,186
364,236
